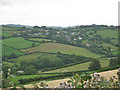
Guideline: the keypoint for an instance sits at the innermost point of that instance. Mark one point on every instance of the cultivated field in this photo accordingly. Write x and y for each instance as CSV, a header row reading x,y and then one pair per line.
x,y
108,33
9,33
18,42
106,45
34,56
65,49
8,51
10,28
80,67
39,39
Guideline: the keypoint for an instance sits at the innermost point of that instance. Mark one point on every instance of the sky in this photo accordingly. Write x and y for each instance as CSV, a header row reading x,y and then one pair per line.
x,y
59,12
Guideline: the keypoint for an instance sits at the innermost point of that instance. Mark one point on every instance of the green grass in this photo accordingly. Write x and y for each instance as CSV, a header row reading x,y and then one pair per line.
x,y
27,58
57,47
8,50
80,67
6,33
85,41
16,78
34,56
11,28
39,39
107,45
9,33
108,33
116,52
114,41
18,42
50,56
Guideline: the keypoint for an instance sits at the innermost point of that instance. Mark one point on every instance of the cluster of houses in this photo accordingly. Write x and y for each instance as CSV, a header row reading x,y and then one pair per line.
x,y
71,36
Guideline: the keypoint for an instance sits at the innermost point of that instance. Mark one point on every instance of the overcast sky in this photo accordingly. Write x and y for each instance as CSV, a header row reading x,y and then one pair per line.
x,y
59,12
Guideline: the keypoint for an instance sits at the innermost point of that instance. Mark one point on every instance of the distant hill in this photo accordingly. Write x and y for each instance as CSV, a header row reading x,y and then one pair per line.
x,y
18,25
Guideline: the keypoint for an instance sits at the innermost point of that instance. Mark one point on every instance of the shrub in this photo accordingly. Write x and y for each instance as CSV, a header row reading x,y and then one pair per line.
x,y
95,65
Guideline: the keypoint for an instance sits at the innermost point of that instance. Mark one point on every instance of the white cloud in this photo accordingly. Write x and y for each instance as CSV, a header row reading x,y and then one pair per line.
x,y
59,12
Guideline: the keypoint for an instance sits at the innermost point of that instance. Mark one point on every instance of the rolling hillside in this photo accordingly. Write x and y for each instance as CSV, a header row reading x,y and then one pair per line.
x,y
8,51
17,42
57,47
35,56
80,67
108,33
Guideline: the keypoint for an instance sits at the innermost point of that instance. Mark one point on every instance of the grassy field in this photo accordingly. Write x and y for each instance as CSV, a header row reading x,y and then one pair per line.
x,y
114,41
6,33
107,45
18,42
116,52
108,33
85,42
9,33
8,50
16,78
34,56
6,28
39,39
80,67
50,56
57,47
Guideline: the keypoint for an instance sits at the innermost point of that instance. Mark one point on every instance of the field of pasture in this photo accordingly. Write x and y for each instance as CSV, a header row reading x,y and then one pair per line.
x,y
108,33
17,42
35,56
80,67
65,49
8,51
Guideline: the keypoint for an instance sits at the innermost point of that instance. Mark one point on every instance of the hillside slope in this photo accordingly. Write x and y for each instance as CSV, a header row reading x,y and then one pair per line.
x,y
57,47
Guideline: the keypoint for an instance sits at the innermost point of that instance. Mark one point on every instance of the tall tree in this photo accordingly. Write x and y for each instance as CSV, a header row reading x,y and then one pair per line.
x,y
95,65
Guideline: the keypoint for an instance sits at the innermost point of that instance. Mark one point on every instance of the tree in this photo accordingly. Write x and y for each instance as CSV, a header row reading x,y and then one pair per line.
x,y
23,28
43,27
114,62
36,27
30,70
33,44
95,65
12,56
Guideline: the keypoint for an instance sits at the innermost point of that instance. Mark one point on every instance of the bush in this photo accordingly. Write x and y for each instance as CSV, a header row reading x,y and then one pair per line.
x,y
95,65
30,70
114,62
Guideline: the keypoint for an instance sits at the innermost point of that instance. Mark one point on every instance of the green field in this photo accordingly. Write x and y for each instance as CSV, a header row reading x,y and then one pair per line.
x,y
18,42
6,33
57,47
116,52
16,78
6,28
107,45
9,33
80,67
50,56
85,41
114,41
34,56
8,50
39,39
108,33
